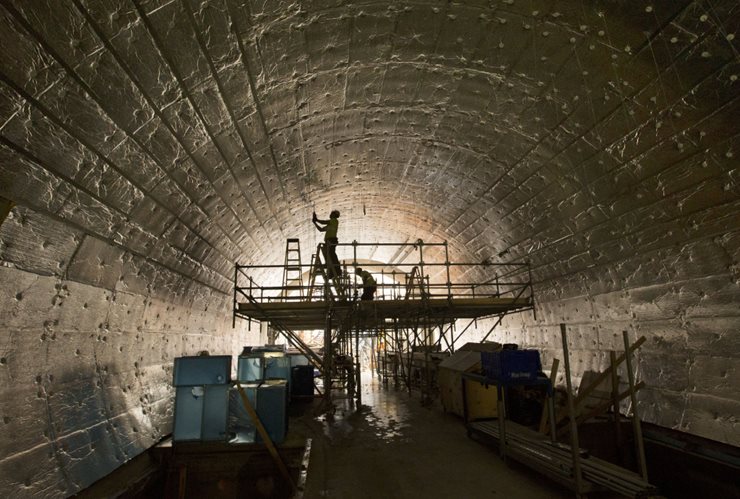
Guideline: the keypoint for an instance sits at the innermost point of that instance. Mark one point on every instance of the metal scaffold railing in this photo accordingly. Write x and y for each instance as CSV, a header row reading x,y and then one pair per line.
x,y
412,319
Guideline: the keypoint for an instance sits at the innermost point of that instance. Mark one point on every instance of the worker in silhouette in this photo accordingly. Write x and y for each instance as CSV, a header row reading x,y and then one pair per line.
x,y
368,284
329,228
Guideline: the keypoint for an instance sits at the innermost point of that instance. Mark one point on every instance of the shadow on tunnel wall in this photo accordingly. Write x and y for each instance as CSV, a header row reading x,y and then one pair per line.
x,y
85,422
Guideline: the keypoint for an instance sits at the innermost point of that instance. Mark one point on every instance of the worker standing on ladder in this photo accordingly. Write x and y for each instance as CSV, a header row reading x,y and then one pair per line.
x,y
330,228
368,284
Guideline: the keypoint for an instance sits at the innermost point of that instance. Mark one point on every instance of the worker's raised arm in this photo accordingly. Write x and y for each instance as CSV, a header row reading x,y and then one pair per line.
x,y
317,219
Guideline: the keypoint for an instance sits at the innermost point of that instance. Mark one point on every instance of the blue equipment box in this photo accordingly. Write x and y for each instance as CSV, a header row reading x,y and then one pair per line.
x,y
270,400
263,365
511,365
298,359
272,409
277,366
250,368
241,425
202,370
301,381
201,413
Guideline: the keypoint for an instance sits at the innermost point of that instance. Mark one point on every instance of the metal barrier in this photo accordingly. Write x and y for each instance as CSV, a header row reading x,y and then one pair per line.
x,y
408,279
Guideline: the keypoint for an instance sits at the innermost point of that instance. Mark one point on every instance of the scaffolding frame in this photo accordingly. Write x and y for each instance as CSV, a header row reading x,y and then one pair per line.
x,y
410,324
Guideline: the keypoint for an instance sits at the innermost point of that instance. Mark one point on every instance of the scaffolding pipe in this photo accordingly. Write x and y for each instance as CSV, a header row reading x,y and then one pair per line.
x,y
447,264
358,383
233,316
637,427
575,448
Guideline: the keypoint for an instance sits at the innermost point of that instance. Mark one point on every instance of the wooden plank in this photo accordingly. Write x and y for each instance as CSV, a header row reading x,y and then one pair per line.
x,y
637,430
582,394
615,402
265,437
182,482
603,407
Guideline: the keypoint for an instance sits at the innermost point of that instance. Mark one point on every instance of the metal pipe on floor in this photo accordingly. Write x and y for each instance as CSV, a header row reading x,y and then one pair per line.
x,y
538,453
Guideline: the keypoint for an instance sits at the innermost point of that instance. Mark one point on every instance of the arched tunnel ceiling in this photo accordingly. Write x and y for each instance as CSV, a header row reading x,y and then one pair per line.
x,y
149,145
544,130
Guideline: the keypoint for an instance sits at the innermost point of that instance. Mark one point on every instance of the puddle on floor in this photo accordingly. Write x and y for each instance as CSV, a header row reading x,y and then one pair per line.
x,y
382,414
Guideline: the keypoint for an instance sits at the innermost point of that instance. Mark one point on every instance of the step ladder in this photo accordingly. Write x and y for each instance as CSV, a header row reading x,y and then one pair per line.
x,y
292,272
316,269
334,286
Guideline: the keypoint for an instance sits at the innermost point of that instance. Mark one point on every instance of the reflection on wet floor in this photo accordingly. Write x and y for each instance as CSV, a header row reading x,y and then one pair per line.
x,y
380,413
395,447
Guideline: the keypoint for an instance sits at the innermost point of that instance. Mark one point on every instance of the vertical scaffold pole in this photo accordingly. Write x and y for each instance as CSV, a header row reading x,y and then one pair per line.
x,y
398,359
233,315
575,447
615,402
531,290
637,428
428,331
447,264
328,356
358,382
421,268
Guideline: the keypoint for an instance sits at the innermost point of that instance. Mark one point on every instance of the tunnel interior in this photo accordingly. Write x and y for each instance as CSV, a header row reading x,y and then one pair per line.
x,y
148,145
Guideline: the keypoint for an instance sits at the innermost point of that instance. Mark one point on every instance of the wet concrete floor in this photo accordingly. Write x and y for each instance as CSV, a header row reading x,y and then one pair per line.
x,y
394,447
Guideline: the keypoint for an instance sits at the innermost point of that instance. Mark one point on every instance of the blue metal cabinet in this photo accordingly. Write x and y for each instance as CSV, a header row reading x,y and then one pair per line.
x,y
277,366
201,413
188,413
301,382
298,359
202,370
250,368
272,404
258,366
241,425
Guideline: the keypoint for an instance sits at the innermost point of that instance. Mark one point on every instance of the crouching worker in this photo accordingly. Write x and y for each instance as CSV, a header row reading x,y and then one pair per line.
x,y
368,284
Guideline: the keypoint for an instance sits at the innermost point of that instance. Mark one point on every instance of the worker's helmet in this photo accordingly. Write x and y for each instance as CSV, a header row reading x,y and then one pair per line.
x,y
358,270
334,214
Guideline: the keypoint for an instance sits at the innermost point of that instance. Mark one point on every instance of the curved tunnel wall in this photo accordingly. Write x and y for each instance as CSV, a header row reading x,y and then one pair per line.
x,y
149,145
89,333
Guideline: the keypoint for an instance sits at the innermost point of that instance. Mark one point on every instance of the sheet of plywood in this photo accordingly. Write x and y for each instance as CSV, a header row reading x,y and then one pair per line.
x,y
481,400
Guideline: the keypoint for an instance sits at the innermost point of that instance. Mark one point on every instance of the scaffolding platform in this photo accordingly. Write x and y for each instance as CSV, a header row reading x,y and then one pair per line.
x,y
421,297
308,315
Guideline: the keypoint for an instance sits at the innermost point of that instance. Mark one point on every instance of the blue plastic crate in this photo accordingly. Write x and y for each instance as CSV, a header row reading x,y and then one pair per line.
x,y
511,365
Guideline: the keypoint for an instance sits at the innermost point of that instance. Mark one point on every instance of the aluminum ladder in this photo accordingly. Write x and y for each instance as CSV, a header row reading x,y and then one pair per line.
x,y
292,272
